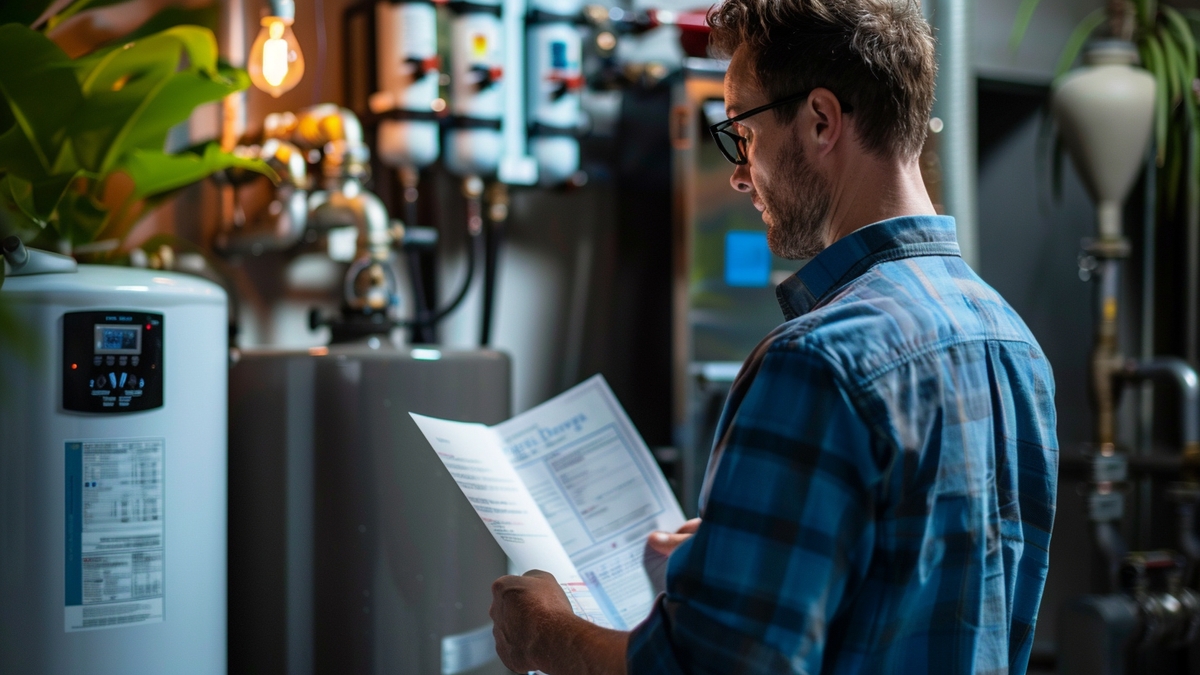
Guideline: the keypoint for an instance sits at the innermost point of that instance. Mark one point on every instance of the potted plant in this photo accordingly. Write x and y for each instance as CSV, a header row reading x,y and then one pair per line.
x,y
82,139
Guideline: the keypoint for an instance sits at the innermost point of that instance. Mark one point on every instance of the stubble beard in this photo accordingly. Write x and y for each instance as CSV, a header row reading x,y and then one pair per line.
x,y
798,208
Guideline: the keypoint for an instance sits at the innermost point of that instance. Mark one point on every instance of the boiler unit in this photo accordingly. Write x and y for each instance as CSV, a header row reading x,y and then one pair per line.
x,y
112,469
352,550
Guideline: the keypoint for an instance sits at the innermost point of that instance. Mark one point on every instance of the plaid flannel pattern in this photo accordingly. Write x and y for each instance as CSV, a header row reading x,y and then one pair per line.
x,y
882,486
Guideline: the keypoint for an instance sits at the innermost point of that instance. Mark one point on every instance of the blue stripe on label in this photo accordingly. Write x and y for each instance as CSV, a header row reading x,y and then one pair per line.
x,y
74,524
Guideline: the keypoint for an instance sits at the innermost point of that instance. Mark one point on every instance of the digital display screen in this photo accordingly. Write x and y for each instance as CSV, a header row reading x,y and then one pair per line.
x,y
112,339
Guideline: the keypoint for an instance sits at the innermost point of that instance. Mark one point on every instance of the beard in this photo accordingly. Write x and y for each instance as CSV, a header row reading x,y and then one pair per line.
x,y
798,207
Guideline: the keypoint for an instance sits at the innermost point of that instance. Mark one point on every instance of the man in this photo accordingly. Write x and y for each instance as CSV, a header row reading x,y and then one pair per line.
x,y
882,486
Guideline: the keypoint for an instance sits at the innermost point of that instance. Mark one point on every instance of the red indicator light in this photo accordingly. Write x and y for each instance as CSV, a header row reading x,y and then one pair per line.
x,y
74,366
147,326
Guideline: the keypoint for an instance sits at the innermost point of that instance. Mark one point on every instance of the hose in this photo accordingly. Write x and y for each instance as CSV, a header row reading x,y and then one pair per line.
x,y
440,314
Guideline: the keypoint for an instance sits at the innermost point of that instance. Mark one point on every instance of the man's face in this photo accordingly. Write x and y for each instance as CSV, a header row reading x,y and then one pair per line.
x,y
783,184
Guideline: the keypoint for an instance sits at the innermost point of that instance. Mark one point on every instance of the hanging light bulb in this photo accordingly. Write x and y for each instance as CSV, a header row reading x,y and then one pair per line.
x,y
276,63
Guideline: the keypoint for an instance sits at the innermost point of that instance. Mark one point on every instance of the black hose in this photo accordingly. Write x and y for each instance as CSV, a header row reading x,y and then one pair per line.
x,y
440,314
422,333
494,237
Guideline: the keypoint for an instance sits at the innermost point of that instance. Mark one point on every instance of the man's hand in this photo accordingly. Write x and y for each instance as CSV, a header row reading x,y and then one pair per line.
x,y
535,629
530,615
664,542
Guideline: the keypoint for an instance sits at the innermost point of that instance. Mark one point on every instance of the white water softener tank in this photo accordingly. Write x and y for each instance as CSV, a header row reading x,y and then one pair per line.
x,y
112,470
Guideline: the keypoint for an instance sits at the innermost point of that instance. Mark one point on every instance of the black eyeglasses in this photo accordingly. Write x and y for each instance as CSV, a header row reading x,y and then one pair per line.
x,y
732,145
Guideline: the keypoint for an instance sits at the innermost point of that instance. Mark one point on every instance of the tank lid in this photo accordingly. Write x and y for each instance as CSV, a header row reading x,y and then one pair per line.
x,y
20,261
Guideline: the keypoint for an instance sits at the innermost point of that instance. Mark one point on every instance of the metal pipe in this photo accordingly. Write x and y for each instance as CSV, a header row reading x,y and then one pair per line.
x,y
1111,550
1106,361
286,217
1146,397
1184,377
1189,543
421,333
955,105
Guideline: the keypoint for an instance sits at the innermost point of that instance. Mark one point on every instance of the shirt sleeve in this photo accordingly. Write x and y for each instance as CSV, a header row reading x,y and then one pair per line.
x,y
787,534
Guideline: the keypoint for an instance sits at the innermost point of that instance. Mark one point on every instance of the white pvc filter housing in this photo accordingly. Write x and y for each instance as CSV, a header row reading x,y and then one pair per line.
x,y
145,613
555,54
1105,113
475,48
406,36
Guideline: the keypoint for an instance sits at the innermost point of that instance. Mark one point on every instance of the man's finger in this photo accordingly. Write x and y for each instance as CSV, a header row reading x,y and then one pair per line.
x,y
689,527
664,542
538,574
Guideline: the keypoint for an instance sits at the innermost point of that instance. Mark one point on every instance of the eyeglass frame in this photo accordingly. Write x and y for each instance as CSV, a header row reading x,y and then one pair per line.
x,y
722,127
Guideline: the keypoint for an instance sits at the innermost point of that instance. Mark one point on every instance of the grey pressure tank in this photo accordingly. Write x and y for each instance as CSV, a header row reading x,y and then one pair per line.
x,y
352,551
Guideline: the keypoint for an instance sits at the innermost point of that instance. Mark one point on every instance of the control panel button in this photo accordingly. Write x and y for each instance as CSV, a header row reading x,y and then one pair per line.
x,y
96,361
124,376
124,360
110,360
141,383
134,360
112,377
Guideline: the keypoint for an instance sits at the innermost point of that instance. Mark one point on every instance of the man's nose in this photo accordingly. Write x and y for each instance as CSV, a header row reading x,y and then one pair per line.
x,y
740,180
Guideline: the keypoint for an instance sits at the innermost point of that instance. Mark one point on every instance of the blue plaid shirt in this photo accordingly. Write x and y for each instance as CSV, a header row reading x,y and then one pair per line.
x,y
882,485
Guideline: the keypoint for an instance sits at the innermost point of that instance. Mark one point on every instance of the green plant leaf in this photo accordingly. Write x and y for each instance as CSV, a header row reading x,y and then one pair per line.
x,y
42,93
17,155
174,103
80,217
19,193
156,172
1155,64
1021,23
35,201
1147,10
1174,66
1077,39
136,93
1179,27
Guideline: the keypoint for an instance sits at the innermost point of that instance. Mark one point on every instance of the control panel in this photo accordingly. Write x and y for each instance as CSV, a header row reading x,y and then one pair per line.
x,y
112,361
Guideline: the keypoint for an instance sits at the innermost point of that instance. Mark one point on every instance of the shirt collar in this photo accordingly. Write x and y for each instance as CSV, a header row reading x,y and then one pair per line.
x,y
857,252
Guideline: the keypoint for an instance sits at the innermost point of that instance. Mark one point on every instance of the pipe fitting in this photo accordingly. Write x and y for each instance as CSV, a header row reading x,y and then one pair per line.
x,y
1183,376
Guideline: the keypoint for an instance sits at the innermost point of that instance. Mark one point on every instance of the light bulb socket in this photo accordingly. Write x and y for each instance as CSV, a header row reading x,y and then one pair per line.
x,y
284,9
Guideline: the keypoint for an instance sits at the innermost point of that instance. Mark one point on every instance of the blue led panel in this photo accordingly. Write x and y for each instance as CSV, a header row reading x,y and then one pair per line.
x,y
747,259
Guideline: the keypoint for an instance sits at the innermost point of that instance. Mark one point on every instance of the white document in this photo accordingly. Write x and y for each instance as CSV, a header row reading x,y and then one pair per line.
x,y
568,487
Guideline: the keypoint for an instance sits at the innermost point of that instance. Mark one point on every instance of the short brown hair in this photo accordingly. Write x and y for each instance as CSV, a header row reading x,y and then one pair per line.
x,y
876,55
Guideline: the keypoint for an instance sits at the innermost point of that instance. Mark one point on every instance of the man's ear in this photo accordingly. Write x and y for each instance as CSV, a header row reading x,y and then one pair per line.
x,y
828,121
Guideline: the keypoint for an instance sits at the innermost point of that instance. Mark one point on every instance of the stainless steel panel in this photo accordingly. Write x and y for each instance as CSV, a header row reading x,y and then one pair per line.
x,y
351,548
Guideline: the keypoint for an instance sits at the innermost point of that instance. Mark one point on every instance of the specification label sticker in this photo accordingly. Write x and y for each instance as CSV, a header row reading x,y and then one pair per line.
x,y
115,533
